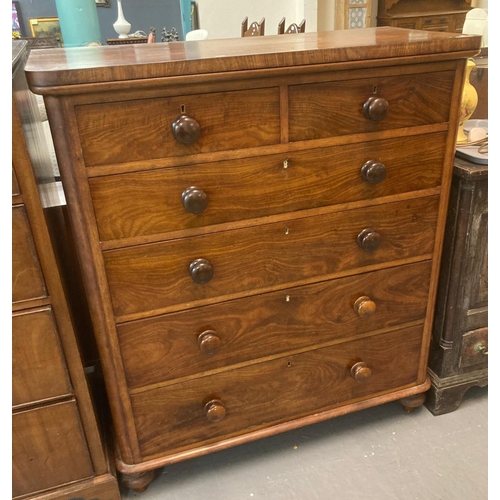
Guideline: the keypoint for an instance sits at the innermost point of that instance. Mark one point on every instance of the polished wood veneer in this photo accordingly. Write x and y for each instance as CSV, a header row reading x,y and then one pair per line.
x,y
259,225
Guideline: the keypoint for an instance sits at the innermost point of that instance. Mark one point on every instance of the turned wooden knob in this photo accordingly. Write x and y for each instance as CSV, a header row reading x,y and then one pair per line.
x,y
209,342
373,172
194,199
364,306
201,271
369,240
375,108
215,410
186,129
360,372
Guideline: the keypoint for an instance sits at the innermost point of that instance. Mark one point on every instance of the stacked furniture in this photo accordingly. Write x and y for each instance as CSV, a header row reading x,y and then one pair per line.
x,y
259,225
57,446
429,15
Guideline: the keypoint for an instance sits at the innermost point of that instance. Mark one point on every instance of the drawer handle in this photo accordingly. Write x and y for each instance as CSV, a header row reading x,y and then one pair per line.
x,y
215,410
375,108
208,342
360,372
201,271
186,129
481,348
369,240
373,172
364,306
194,199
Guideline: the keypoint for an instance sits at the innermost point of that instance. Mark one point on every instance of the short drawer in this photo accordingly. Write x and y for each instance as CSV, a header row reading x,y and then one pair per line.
x,y
27,279
206,338
432,22
149,278
159,201
48,448
142,129
38,366
180,416
338,108
474,349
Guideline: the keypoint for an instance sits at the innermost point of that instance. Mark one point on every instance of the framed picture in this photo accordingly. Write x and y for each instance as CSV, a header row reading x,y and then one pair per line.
x,y
17,21
45,26
102,3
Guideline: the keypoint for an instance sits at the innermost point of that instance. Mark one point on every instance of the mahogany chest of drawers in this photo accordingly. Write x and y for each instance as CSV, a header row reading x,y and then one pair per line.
x,y
58,451
259,225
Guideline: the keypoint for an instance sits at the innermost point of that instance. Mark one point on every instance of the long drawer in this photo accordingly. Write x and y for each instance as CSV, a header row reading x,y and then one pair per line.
x,y
49,448
220,335
145,203
142,129
149,278
172,418
38,366
27,278
332,109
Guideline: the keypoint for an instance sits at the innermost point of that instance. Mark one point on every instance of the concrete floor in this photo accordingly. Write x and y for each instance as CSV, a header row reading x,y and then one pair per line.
x,y
376,454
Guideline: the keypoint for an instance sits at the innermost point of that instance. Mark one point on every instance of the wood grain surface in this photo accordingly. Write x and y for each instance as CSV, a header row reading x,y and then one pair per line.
x,y
171,418
146,203
149,279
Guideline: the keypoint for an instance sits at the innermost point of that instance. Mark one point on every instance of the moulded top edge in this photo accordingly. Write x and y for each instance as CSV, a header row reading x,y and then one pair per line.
x,y
112,63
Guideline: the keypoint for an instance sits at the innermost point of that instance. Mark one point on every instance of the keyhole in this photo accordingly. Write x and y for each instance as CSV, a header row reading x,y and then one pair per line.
x,y
374,89
183,109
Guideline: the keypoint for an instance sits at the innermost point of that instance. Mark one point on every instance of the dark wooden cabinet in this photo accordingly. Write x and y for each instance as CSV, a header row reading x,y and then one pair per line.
x,y
429,15
459,348
58,451
259,224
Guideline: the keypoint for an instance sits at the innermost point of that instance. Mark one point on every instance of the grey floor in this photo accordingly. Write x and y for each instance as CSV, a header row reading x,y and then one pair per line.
x,y
380,453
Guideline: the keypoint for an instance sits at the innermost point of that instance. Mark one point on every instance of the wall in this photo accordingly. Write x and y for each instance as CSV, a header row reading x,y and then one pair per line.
x,y
141,14
223,18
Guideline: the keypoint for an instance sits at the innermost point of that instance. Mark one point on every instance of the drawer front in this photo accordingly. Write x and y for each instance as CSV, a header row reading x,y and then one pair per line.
x,y
432,22
220,335
27,278
38,366
142,129
474,350
151,277
48,449
15,185
159,201
171,418
336,108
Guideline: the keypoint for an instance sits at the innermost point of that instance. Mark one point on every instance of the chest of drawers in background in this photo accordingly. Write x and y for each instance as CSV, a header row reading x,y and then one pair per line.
x,y
57,447
259,224
459,347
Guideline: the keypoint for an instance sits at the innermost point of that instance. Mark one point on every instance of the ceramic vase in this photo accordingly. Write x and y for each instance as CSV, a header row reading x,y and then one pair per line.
x,y
469,102
121,25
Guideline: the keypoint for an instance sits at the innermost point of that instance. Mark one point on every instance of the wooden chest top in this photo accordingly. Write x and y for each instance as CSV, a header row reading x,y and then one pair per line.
x,y
62,67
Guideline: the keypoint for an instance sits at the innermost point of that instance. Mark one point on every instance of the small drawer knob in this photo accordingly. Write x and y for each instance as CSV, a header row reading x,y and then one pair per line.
x,y
375,108
186,129
369,240
208,342
215,410
373,172
201,271
360,372
194,199
364,306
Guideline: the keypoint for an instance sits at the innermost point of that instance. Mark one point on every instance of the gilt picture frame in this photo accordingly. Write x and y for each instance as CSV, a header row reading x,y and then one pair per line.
x,y
45,26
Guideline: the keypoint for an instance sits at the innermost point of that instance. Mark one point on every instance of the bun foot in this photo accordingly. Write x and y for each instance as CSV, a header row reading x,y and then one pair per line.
x,y
411,402
138,482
